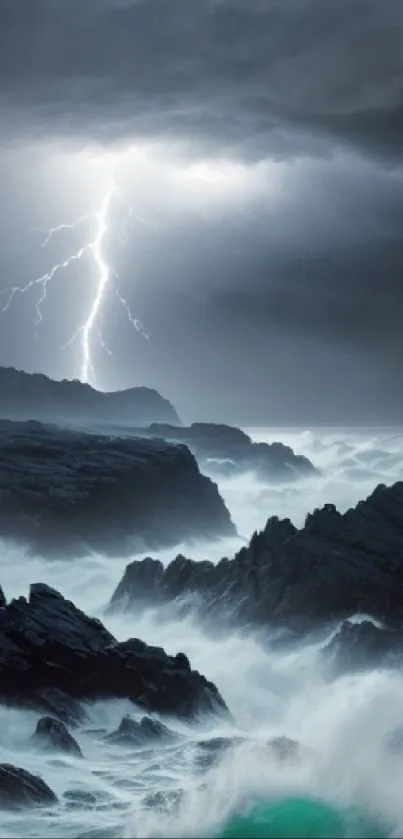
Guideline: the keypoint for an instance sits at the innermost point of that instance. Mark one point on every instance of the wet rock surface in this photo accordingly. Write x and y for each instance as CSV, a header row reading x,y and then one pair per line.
x,y
19,788
336,566
46,643
358,646
53,734
67,493
140,732
58,704
226,451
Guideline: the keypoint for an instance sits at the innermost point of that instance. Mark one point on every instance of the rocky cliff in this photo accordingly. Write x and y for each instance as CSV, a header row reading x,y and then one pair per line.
x,y
68,493
53,657
334,567
223,450
34,396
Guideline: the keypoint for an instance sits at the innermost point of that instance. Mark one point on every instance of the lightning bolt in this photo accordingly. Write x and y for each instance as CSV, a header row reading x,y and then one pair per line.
x,y
95,249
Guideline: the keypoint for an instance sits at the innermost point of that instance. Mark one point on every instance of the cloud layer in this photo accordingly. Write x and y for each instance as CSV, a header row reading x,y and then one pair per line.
x,y
246,78
281,302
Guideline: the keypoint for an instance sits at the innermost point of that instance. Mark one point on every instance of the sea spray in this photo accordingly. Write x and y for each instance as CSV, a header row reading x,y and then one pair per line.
x,y
343,725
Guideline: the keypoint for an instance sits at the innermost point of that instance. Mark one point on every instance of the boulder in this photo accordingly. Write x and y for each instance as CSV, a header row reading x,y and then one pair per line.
x,y
46,643
53,734
19,788
333,567
69,493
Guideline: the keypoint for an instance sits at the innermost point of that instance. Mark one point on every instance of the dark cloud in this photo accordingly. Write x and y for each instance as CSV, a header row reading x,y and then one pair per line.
x,y
286,308
252,78
279,302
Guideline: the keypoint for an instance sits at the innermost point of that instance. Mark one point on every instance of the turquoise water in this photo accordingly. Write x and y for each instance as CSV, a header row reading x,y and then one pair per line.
x,y
302,818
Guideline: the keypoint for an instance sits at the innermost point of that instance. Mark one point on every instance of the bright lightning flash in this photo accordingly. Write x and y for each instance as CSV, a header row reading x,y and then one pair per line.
x,y
95,248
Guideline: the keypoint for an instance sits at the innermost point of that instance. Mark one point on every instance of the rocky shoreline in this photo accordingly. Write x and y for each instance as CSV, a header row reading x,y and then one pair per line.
x,y
54,655
334,567
224,451
68,493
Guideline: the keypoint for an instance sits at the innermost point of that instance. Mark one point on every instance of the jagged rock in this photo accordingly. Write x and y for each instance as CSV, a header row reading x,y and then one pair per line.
x,y
47,643
18,788
333,567
34,396
139,733
223,450
361,645
70,493
51,733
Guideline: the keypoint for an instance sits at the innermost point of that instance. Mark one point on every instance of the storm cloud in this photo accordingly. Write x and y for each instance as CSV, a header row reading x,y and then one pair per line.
x,y
249,78
281,302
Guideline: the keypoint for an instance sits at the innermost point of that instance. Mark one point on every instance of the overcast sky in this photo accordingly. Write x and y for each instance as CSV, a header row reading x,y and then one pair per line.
x,y
259,146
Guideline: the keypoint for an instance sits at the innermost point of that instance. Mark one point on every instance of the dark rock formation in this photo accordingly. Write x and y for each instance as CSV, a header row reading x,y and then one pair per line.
x,y
55,702
335,566
65,492
18,788
47,643
34,396
208,439
357,646
229,451
226,451
51,733
140,733
2,599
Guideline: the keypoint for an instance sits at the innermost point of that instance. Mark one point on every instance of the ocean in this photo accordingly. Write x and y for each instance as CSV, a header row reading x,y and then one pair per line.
x,y
172,790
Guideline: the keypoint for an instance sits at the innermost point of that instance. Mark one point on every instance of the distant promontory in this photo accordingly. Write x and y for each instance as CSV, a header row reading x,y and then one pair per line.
x,y
35,396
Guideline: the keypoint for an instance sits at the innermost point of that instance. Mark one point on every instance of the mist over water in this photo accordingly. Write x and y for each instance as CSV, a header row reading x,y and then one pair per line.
x,y
342,725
